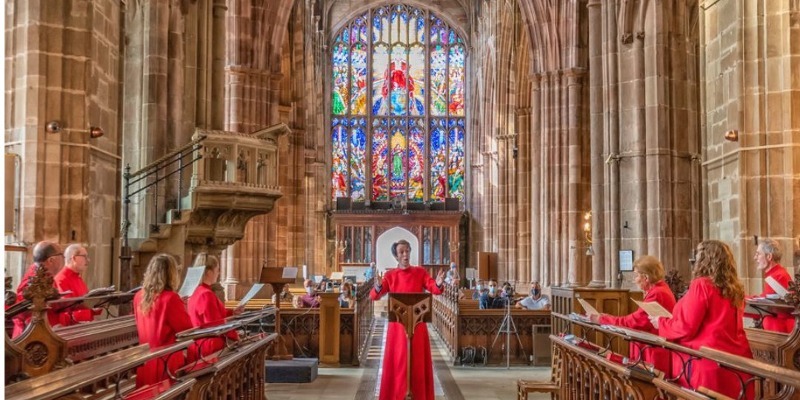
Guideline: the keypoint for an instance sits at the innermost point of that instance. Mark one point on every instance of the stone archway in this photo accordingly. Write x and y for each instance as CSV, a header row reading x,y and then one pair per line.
x,y
383,249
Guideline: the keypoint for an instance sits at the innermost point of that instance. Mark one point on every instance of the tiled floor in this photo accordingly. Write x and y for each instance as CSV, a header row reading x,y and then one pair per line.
x,y
451,383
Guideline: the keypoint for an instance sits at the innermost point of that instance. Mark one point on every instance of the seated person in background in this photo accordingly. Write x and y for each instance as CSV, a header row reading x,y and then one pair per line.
x,y
768,255
346,298
479,290
452,277
207,310
286,295
492,298
310,299
507,291
47,255
160,314
536,300
648,274
69,280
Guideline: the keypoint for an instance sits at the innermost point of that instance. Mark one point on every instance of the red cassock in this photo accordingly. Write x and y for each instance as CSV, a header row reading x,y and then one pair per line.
x,y
704,318
69,280
22,320
660,358
393,380
205,310
781,322
157,328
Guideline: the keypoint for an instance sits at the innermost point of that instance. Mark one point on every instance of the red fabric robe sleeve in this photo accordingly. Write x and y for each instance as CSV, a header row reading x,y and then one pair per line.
x,y
688,315
638,319
22,320
69,280
781,322
157,328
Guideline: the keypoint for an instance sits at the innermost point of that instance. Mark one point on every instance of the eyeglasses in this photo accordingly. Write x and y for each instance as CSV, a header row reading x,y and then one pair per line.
x,y
56,255
82,255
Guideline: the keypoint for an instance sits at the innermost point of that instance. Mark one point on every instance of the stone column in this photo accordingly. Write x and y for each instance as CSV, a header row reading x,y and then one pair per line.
x,y
596,142
535,143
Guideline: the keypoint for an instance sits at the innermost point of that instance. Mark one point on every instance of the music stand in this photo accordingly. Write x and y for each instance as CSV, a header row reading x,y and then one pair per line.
x,y
274,277
409,309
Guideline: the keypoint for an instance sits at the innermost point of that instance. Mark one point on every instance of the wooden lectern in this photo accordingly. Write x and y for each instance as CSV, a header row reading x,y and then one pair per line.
x,y
409,309
274,277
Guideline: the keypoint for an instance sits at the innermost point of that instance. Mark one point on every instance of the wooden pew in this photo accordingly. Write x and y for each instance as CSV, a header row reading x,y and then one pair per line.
x,y
461,324
97,338
580,372
99,378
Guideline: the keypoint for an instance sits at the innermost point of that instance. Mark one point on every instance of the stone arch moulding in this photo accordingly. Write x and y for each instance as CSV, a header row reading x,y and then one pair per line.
x,y
383,247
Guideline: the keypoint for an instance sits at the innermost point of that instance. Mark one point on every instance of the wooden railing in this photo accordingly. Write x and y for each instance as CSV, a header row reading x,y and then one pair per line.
x,y
583,371
109,376
463,327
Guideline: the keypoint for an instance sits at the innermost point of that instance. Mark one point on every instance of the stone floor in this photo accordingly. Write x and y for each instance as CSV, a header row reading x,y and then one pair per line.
x,y
451,383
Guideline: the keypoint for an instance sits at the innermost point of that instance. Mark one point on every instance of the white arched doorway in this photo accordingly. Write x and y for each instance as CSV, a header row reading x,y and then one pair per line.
x,y
383,248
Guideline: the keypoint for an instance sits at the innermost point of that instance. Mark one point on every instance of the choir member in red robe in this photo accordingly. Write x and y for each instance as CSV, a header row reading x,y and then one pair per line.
x,y
710,314
648,274
406,279
768,255
160,314
206,309
47,255
69,282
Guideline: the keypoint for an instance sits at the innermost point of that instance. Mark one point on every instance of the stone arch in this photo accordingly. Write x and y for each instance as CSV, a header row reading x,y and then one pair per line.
x,y
383,247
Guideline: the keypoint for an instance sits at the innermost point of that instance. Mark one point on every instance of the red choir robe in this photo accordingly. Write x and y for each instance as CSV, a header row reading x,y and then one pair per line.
x,y
69,280
22,320
393,379
206,310
660,358
157,328
781,322
704,318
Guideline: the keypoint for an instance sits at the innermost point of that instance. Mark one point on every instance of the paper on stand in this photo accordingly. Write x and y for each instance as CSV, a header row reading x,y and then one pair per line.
x,y
653,309
250,294
470,274
193,277
588,307
337,276
291,272
777,287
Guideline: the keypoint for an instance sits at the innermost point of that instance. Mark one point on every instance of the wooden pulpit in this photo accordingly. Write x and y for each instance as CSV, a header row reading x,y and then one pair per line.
x,y
274,277
409,309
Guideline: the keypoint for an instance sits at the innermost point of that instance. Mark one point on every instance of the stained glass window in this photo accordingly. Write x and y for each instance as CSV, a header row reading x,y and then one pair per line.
x,y
398,107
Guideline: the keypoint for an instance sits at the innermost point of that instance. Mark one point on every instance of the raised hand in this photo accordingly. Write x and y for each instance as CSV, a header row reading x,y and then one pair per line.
x,y
378,279
440,277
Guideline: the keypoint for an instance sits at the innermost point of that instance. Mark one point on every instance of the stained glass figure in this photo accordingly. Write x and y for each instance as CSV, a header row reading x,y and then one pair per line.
x,y
397,106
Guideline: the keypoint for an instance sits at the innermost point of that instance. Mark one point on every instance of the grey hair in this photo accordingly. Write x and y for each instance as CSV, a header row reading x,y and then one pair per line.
x,y
771,246
71,251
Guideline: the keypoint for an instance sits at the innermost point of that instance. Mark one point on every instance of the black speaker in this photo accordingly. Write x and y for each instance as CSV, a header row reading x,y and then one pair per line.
x,y
342,203
451,204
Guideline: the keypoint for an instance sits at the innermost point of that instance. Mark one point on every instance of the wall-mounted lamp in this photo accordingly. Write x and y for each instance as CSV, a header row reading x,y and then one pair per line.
x,y
53,127
732,135
96,132
587,232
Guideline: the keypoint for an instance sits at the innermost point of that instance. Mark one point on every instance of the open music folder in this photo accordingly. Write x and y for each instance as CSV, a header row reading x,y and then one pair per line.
x,y
590,310
653,309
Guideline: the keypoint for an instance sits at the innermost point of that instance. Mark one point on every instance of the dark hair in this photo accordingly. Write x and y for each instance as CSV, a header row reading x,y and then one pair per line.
x,y
398,243
44,250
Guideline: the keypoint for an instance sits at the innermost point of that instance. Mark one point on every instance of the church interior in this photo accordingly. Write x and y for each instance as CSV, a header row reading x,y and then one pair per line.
x,y
518,143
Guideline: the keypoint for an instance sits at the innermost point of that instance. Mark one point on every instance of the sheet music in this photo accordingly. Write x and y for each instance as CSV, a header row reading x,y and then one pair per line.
x,y
250,294
779,290
588,307
194,276
653,309
291,272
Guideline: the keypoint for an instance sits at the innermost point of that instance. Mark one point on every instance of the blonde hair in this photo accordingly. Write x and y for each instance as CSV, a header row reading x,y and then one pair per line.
x,y
161,275
715,260
209,261
650,267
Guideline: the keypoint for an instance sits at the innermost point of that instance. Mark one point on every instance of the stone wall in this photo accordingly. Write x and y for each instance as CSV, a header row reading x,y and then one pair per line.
x,y
750,71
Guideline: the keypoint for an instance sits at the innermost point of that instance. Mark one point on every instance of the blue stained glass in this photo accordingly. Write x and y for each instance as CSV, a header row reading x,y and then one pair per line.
x,y
409,51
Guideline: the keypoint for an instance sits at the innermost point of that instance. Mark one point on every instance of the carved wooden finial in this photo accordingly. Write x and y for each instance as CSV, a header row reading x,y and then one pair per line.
x,y
675,282
793,297
41,287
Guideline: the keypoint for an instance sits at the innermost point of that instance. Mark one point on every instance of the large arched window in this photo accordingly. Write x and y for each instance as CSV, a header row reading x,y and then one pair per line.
x,y
397,125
